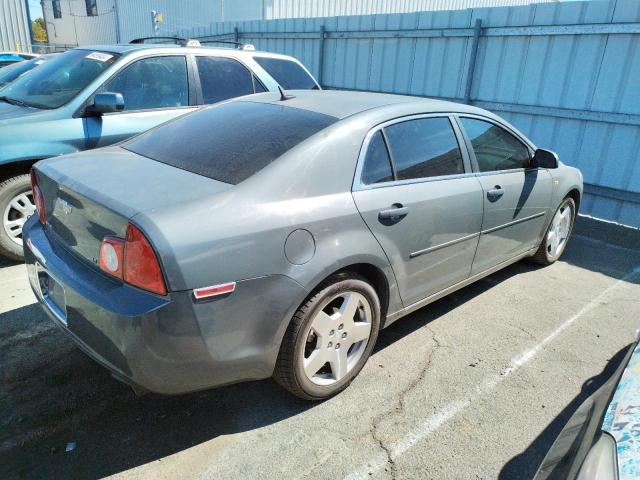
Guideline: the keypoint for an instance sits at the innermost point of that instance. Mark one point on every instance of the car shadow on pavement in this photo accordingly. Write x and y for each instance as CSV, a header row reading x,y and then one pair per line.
x,y
525,465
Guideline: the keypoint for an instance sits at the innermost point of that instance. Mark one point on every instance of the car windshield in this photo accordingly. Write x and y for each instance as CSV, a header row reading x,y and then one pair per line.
x,y
10,73
58,80
229,142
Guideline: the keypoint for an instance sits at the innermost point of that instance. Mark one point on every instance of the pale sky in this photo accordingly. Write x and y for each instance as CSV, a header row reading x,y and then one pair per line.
x,y
35,9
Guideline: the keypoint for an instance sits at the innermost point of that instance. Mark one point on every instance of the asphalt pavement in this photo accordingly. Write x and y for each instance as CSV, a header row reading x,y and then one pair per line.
x,y
476,385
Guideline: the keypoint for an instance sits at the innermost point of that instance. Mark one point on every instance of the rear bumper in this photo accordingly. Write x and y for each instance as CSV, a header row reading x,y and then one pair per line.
x,y
169,344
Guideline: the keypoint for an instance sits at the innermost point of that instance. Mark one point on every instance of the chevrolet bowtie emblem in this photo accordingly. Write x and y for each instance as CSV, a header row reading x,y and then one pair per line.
x,y
66,207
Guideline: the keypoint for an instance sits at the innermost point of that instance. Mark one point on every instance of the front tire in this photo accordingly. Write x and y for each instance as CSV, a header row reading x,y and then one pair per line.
x,y
557,234
330,338
16,205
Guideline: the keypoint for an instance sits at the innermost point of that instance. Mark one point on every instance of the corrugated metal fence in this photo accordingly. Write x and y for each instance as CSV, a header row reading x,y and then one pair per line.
x,y
14,26
566,74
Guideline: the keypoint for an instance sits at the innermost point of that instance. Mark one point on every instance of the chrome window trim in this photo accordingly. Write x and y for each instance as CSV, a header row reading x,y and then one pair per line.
x,y
357,184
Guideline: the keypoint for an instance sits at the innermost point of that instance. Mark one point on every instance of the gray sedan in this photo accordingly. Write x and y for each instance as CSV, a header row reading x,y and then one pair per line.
x,y
276,234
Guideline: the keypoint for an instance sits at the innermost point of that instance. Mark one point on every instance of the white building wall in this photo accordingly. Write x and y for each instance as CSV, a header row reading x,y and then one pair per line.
x,y
76,28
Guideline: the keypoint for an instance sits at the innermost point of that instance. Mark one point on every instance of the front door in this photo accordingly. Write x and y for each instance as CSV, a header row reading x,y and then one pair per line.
x,y
416,194
516,199
155,90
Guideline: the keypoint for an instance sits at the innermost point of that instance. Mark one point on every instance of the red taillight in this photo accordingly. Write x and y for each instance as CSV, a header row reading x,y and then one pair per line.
x,y
141,266
132,260
38,198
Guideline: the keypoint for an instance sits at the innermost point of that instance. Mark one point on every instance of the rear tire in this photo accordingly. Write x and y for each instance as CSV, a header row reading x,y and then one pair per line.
x,y
557,234
330,338
16,205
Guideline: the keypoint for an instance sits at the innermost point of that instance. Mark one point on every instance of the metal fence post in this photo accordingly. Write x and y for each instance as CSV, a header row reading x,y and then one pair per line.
x,y
472,60
236,34
323,35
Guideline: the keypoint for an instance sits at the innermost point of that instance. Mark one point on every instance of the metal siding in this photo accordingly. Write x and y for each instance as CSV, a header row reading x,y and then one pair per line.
x,y
14,26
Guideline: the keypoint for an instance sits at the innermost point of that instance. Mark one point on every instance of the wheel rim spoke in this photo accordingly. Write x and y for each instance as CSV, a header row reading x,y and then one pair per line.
x,y
349,306
359,331
322,323
315,362
339,363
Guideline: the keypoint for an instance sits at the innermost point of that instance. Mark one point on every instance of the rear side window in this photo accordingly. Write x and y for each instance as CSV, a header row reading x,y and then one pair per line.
x,y
495,148
425,147
229,142
223,78
377,165
290,75
155,82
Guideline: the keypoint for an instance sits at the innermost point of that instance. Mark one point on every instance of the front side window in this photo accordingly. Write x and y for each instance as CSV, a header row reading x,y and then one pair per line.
x,y
424,147
289,74
223,78
59,80
495,148
57,11
92,7
155,82
377,164
229,142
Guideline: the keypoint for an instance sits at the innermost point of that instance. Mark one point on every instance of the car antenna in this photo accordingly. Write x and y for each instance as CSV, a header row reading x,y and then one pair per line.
x,y
284,96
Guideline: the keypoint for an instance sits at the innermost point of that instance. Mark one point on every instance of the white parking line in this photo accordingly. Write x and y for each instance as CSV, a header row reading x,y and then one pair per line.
x,y
449,411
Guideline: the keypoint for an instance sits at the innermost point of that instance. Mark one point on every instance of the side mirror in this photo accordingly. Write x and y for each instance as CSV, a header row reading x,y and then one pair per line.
x,y
544,159
107,102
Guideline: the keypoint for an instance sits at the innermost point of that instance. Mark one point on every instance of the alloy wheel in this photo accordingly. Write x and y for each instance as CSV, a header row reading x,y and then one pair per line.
x,y
19,209
337,337
559,231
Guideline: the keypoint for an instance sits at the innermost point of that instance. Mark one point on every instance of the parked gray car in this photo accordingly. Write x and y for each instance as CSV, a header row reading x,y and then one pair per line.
x,y
276,234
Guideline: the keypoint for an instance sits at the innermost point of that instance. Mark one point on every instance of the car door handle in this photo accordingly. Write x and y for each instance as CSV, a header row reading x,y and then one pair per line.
x,y
396,211
495,193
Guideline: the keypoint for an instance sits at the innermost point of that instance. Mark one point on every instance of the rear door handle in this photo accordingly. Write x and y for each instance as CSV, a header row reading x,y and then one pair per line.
x,y
495,193
395,212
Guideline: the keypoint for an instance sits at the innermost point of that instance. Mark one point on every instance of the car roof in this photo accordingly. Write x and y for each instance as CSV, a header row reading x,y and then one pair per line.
x,y
126,48
342,103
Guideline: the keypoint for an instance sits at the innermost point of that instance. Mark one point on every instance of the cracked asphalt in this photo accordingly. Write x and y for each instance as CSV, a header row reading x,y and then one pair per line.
x,y
476,385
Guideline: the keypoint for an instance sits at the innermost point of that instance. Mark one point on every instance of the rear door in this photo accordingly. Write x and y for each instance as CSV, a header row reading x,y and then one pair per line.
x,y
222,78
416,192
516,198
155,90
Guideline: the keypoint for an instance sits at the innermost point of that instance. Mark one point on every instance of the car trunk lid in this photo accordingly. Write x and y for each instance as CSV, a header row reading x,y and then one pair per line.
x,y
88,197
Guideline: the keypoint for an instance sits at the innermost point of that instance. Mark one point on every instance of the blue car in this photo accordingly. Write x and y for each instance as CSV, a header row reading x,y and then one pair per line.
x,y
92,97
601,441
11,72
9,58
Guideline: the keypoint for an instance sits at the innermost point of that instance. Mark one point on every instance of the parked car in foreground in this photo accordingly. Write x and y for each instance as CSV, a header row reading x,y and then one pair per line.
x,y
90,97
601,441
11,72
9,58
276,234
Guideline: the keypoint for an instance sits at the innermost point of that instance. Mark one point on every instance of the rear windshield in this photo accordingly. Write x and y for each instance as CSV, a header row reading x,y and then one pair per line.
x,y
290,75
229,142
